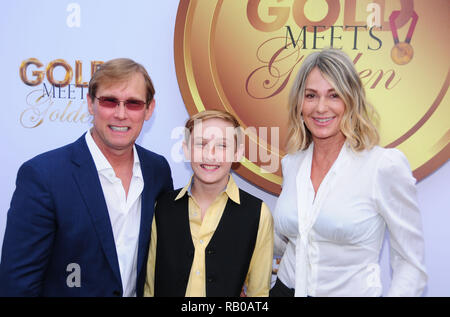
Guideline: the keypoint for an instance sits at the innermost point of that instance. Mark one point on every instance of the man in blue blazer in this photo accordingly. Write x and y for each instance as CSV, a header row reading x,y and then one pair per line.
x,y
80,218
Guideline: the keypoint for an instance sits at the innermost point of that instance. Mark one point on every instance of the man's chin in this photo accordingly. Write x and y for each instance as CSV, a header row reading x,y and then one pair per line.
x,y
120,146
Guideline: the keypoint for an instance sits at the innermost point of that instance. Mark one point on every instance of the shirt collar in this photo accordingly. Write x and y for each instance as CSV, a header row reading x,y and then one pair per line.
x,y
100,161
232,190
344,155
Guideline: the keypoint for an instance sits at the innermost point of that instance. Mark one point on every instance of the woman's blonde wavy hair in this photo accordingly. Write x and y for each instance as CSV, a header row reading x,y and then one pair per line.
x,y
357,122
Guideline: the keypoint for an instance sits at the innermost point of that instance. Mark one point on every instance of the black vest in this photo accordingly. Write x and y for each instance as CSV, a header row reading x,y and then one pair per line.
x,y
228,253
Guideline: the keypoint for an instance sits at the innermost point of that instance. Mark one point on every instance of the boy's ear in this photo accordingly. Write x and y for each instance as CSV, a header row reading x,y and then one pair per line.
x,y
187,153
239,152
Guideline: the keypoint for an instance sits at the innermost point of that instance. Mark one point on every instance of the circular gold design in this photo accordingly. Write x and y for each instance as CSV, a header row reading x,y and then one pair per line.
x,y
402,53
233,55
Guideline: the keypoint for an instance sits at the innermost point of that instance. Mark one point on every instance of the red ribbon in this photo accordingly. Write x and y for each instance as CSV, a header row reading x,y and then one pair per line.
x,y
394,15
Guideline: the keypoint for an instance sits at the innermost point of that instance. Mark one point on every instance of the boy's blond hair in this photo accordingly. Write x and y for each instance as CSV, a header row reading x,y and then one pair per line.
x,y
213,114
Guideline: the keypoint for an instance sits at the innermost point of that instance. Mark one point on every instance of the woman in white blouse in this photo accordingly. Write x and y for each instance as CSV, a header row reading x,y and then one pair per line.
x,y
340,192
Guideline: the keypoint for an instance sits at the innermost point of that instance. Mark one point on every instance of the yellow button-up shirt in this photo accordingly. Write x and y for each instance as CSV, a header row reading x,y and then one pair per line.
x,y
260,269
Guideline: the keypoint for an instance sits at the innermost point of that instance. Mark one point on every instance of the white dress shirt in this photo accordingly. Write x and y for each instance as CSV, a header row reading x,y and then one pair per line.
x,y
334,238
124,213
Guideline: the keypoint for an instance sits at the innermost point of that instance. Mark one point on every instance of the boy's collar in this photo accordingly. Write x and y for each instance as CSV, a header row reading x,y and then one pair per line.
x,y
232,190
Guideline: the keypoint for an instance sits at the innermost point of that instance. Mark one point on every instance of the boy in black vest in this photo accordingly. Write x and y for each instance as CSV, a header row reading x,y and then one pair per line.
x,y
210,238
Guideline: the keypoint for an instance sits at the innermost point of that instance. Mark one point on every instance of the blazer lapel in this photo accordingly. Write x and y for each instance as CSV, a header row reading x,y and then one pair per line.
x,y
147,208
86,176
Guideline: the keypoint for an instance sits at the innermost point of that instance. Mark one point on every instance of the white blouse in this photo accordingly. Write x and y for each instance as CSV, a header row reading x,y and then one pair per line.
x,y
334,239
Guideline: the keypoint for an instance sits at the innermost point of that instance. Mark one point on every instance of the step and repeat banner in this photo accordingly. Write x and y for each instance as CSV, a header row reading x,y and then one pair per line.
x,y
240,56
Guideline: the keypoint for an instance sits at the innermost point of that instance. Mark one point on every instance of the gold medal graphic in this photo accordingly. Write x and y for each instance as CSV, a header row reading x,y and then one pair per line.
x,y
402,53
242,57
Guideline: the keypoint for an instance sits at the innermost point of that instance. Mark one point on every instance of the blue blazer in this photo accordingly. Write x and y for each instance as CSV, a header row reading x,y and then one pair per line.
x,y
58,216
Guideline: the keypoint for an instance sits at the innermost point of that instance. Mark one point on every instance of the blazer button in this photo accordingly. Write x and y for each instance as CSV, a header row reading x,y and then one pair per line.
x,y
210,280
116,293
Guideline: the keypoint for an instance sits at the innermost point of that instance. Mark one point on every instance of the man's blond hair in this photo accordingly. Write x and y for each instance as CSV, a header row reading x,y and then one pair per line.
x,y
119,70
